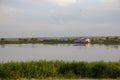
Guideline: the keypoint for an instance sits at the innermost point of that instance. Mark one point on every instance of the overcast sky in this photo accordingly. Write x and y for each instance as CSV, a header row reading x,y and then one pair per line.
x,y
58,18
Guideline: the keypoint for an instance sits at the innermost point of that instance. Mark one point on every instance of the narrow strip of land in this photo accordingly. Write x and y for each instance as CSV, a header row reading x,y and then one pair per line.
x,y
61,40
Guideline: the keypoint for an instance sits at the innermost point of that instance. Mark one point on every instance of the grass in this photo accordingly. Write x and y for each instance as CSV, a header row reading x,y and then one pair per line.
x,y
59,70
58,79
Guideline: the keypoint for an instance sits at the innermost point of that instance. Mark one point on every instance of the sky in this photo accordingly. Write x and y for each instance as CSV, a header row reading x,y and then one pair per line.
x,y
59,18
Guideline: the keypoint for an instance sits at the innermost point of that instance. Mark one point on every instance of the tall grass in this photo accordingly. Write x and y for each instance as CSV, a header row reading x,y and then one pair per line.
x,y
59,69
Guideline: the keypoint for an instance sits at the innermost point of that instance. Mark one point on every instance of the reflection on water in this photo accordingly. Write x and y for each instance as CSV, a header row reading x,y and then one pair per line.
x,y
2,45
113,46
66,52
86,45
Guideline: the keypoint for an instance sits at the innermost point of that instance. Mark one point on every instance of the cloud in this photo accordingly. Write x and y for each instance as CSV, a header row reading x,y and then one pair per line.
x,y
107,1
7,11
63,2
40,16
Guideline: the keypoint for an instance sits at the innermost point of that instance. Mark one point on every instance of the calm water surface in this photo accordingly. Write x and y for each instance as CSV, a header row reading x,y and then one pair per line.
x,y
66,52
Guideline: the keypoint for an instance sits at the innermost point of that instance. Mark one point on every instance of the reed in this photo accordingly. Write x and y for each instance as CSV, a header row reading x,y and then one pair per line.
x,y
59,69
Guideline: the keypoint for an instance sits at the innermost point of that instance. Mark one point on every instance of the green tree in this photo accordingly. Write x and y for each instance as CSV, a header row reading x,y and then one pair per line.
x,y
33,39
2,39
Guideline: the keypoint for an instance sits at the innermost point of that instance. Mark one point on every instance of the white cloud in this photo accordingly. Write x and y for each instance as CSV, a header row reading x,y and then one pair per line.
x,y
39,16
99,8
63,2
107,1
7,11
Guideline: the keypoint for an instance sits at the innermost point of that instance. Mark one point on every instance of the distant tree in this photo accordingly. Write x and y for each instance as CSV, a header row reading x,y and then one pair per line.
x,y
107,38
33,39
20,39
116,38
2,39
25,40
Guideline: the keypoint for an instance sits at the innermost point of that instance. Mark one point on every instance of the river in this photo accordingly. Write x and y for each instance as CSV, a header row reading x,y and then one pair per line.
x,y
65,52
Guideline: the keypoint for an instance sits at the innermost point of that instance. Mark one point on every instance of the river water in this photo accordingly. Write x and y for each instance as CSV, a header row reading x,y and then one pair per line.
x,y
66,52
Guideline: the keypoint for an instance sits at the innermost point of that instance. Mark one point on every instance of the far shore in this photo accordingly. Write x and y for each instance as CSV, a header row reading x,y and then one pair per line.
x,y
61,40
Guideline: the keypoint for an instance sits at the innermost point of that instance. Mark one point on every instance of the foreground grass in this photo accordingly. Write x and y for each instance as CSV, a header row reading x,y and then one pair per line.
x,y
58,79
59,70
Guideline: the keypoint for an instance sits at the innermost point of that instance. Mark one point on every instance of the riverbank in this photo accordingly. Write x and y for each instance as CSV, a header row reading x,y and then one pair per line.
x,y
59,69
61,40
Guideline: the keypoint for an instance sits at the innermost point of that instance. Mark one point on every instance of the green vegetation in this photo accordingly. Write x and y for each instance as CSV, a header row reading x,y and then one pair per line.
x,y
35,40
62,40
59,69
105,40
